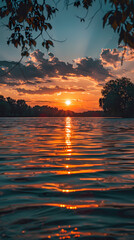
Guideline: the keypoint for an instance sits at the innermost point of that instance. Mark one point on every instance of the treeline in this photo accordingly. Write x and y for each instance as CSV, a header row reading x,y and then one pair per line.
x,y
12,108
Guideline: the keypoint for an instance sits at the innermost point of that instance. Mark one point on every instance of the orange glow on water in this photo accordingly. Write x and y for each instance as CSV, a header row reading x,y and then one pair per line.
x,y
72,207
70,167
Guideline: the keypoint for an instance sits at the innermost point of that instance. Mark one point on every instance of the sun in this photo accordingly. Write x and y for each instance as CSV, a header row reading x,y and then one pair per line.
x,y
68,102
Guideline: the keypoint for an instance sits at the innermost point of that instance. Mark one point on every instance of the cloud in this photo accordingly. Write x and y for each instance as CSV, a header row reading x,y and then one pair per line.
x,y
92,68
110,57
46,90
16,72
40,70
51,54
42,76
52,67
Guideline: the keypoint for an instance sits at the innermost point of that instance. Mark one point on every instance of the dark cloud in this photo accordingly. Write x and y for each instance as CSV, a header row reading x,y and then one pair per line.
x,y
85,67
48,81
40,101
50,54
92,68
64,78
110,57
39,56
39,70
12,70
46,90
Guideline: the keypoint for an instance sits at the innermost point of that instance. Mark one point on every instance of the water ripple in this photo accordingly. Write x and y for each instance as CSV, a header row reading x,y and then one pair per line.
x,y
67,178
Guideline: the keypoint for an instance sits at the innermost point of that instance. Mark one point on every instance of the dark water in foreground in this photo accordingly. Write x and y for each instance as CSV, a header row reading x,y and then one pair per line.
x,y
66,178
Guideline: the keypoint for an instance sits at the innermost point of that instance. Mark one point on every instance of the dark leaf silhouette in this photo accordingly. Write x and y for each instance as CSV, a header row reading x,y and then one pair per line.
x,y
26,17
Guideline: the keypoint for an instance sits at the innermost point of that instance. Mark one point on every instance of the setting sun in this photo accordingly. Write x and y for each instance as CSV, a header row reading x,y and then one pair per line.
x,y
68,102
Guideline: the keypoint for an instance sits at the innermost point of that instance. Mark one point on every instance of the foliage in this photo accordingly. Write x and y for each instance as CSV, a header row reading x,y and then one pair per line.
x,y
4,107
121,19
118,98
24,17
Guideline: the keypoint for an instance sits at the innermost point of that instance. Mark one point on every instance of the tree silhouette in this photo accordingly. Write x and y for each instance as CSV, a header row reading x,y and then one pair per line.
x,y
22,107
12,104
118,98
4,107
24,17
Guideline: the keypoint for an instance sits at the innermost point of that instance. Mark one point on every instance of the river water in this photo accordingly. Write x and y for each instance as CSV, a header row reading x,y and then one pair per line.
x,y
66,178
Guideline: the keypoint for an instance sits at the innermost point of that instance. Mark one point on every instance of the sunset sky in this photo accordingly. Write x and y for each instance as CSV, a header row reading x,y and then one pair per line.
x,y
74,70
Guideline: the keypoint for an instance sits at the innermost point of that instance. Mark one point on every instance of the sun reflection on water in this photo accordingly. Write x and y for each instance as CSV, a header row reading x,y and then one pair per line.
x,y
68,136
68,140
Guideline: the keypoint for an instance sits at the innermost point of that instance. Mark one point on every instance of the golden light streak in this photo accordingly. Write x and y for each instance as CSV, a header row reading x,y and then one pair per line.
x,y
68,135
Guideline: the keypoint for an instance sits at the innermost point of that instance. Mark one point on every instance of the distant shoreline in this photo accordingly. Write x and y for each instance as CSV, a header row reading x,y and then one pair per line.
x,y
12,108
109,117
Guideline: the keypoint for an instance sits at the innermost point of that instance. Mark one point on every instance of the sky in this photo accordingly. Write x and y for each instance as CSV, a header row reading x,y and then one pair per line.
x,y
75,69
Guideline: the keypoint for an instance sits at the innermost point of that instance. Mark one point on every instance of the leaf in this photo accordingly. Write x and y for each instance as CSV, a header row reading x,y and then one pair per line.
x,y
16,43
129,27
25,53
82,20
105,18
34,42
49,25
111,20
121,36
50,42
49,10
131,41
77,4
41,8
20,19
114,25
7,12
30,9
17,29
47,46
118,17
10,24
45,26
87,3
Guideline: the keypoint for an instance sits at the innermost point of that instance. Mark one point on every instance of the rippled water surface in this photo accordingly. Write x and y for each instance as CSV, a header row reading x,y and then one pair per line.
x,y
66,178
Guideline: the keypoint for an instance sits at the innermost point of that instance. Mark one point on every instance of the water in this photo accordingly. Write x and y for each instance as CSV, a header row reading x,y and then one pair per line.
x,y
66,178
